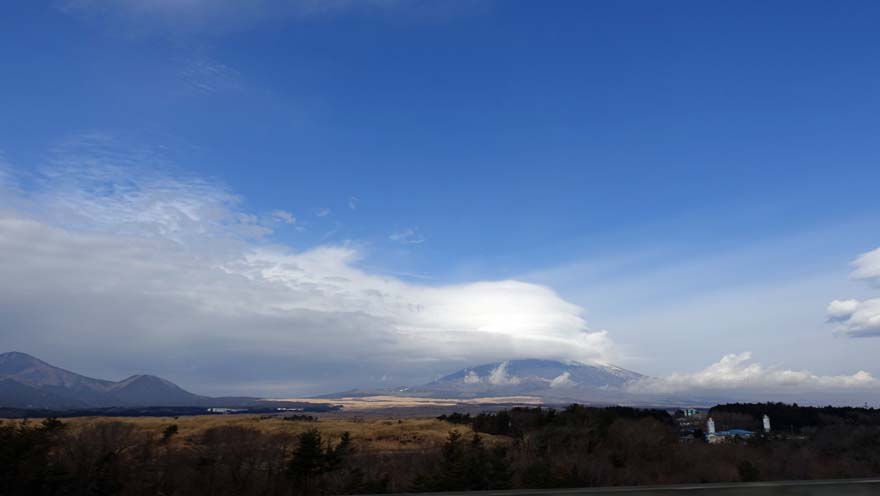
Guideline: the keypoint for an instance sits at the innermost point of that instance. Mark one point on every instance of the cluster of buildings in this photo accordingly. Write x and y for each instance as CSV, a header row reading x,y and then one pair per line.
x,y
696,425
226,411
717,437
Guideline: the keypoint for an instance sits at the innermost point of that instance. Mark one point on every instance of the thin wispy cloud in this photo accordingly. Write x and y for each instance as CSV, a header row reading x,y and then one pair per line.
x,y
321,212
284,216
336,229
353,202
208,76
408,236
212,16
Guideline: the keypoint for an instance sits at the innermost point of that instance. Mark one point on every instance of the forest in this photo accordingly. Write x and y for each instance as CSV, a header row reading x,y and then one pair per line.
x,y
797,419
576,446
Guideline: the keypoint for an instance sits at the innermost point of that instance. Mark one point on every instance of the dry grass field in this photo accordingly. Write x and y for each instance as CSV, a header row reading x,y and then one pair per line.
x,y
368,434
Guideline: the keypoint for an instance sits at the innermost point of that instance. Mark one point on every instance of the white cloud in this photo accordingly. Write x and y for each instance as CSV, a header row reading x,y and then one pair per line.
x,y
165,273
408,236
855,318
563,380
500,377
738,372
321,212
353,202
284,216
867,266
841,310
472,378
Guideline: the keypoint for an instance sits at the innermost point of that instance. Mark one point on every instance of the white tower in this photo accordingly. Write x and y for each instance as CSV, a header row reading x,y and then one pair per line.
x,y
766,423
711,426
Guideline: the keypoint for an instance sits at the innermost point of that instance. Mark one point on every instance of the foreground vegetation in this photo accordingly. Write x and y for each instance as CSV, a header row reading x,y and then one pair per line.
x,y
517,448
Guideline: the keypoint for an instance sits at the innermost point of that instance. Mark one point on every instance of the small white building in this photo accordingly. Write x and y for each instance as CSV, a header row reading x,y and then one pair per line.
x,y
766,423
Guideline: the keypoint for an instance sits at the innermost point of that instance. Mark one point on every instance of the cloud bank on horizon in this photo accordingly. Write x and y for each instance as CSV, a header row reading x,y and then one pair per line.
x,y
852,318
739,372
105,251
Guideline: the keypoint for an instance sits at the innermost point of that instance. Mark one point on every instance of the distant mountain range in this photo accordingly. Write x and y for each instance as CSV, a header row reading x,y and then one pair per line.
x,y
28,382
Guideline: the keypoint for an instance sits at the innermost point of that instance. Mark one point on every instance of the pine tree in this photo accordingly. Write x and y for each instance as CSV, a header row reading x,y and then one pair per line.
x,y
308,461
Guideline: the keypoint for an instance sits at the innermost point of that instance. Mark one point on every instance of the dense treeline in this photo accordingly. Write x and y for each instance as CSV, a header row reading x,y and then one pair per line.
x,y
300,418
794,418
516,448
114,457
517,422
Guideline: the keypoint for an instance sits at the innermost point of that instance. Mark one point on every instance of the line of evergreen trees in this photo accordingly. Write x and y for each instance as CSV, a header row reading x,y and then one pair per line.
x,y
795,418
519,421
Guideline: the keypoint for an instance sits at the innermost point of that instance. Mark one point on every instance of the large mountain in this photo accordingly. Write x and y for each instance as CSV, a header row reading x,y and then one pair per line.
x,y
550,379
27,382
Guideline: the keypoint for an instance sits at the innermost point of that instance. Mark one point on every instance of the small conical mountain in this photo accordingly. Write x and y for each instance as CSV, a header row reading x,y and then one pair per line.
x,y
28,382
151,390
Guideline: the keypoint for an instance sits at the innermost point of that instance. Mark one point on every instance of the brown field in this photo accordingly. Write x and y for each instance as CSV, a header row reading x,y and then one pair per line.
x,y
379,424
368,434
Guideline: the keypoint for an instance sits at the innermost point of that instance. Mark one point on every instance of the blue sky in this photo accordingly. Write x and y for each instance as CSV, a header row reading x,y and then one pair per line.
x,y
524,131
669,168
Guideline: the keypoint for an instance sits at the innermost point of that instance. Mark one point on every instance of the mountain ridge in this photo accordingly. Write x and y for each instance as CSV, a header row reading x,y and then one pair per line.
x,y
28,382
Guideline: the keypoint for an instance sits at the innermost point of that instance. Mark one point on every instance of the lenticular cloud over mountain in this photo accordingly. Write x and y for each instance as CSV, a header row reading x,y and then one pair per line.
x,y
171,272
